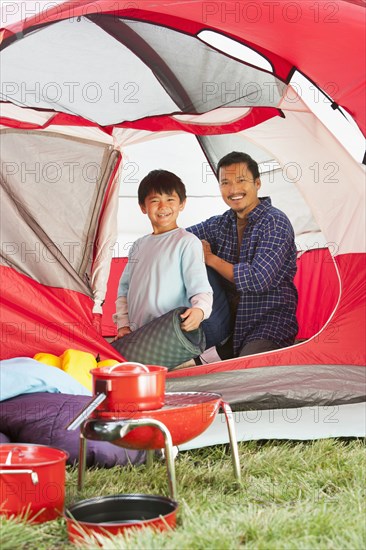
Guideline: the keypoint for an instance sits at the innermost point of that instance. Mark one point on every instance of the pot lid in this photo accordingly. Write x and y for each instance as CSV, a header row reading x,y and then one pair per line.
x,y
26,454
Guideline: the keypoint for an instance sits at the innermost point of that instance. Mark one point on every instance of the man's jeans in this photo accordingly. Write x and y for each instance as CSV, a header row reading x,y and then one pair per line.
x,y
217,327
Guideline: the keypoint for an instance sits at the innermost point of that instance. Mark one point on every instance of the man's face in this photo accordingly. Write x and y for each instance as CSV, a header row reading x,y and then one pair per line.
x,y
238,188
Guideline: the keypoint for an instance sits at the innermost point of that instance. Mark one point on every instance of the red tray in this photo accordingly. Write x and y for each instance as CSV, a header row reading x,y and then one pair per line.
x,y
186,415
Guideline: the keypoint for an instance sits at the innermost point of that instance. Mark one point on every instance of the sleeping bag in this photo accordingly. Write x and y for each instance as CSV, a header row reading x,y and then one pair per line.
x,y
41,418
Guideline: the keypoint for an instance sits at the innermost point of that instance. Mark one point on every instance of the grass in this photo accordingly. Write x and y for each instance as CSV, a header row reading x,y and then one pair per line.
x,y
294,495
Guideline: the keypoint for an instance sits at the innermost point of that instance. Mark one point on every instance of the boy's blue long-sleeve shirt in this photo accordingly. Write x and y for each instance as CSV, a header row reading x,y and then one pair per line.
x,y
263,273
163,272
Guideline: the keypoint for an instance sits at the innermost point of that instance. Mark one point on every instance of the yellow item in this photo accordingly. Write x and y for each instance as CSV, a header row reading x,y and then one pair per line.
x,y
78,364
107,363
49,359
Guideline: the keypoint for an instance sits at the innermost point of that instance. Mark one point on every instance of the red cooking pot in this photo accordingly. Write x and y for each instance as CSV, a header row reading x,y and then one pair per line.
x,y
32,481
112,515
130,387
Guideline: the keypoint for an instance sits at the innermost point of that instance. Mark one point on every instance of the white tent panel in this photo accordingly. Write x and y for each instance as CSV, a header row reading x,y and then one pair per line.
x,y
39,228
342,126
44,118
82,70
90,133
8,110
322,169
214,78
181,154
234,49
104,246
302,423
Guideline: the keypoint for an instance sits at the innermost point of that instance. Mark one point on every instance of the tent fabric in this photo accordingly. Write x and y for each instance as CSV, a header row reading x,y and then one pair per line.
x,y
280,387
78,103
287,34
317,298
322,192
342,336
34,194
228,119
38,318
155,83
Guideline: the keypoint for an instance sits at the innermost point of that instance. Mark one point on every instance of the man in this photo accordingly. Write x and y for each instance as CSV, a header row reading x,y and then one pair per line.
x,y
252,247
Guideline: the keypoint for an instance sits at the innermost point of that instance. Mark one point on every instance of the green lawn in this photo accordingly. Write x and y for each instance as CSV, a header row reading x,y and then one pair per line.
x,y
308,495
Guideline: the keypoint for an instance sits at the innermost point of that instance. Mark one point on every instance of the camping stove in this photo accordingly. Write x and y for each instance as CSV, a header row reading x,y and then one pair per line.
x,y
183,417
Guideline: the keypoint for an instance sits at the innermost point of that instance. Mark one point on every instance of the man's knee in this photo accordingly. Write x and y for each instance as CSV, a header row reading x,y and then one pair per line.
x,y
258,346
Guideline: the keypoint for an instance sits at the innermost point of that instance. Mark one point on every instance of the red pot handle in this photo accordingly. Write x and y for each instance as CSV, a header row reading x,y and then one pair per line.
x,y
144,367
86,411
33,474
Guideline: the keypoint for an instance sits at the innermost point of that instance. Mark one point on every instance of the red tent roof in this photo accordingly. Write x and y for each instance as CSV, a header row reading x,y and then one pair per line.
x,y
321,39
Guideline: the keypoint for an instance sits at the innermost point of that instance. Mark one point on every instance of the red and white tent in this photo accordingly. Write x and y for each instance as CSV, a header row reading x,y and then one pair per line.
x,y
93,91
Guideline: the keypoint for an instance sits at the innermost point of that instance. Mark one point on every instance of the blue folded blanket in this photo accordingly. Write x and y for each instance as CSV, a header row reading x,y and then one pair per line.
x,y
25,375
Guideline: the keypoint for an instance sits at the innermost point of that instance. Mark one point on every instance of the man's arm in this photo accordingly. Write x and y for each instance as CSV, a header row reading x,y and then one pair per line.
x,y
258,276
224,268
200,230
271,252
207,230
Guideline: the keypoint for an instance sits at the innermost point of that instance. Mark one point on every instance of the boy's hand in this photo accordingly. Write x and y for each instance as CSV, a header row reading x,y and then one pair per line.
x,y
122,332
192,318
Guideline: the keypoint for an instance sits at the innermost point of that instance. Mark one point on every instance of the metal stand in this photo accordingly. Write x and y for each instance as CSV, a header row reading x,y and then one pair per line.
x,y
111,431
149,458
115,430
232,438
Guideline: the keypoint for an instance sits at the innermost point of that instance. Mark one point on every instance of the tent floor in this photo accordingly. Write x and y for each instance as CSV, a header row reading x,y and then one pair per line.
x,y
302,423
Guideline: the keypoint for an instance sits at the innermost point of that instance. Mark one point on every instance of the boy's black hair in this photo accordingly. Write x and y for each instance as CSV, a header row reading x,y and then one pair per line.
x,y
161,181
234,158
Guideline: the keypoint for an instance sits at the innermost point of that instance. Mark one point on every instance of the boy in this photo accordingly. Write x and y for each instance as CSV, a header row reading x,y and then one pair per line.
x,y
165,269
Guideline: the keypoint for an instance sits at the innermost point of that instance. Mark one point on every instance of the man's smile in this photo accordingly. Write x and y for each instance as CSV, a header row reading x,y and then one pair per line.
x,y
237,197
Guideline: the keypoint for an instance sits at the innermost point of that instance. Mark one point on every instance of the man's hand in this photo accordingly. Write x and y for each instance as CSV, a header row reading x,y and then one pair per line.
x,y
192,318
122,332
207,252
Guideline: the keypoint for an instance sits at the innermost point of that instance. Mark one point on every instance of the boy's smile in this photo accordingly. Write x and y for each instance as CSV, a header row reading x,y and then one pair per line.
x,y
162,210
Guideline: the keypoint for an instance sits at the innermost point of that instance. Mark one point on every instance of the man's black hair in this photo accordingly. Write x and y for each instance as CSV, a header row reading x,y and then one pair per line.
x,y
234,158
161,181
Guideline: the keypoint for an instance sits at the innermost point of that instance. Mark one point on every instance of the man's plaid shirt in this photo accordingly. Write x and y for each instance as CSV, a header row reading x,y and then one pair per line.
x,y
263,273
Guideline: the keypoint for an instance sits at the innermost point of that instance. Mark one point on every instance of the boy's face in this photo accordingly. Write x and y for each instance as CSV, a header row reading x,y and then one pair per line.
x,y
162,211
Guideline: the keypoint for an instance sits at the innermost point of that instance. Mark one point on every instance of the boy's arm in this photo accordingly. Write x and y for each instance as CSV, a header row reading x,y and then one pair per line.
x,y
203,301
200,310
196,283
120,318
